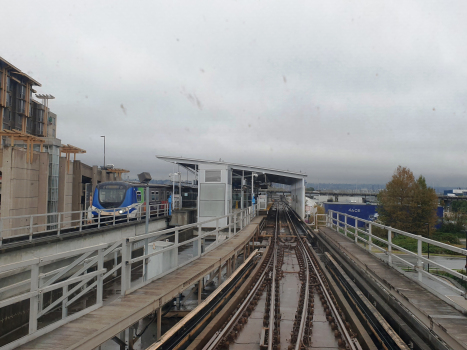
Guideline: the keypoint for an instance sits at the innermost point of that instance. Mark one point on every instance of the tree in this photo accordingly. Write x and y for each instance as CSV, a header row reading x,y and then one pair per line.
x,y
408,204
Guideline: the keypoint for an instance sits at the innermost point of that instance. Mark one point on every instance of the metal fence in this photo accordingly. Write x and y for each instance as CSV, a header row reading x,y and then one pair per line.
x,y
85,273
338,222
27,227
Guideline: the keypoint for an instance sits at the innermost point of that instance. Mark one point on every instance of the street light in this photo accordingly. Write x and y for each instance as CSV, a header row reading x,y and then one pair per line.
x,y
104,149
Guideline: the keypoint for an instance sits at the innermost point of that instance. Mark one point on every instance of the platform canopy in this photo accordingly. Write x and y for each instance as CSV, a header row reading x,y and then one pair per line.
x,y
207,168
285,177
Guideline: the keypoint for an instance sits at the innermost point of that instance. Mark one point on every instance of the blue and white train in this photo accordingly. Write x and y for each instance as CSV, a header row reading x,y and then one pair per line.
x,y
126,198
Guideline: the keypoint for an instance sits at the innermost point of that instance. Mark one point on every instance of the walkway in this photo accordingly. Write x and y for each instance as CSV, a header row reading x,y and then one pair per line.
x,y
436,314
93,329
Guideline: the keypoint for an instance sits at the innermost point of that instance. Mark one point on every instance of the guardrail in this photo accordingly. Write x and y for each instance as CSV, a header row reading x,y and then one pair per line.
x,y
27,227
339,222
320,220
84,270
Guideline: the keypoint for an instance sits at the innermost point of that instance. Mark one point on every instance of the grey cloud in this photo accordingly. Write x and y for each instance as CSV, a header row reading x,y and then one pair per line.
x,y
342,90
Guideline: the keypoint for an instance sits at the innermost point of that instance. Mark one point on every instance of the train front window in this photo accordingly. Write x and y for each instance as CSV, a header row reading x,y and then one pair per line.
x,y
112,196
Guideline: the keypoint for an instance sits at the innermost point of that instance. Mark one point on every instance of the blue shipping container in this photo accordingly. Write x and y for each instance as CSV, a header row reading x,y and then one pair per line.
x,y
363,211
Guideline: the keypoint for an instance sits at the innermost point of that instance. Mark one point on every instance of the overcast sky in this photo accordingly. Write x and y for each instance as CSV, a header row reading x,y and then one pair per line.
x,y
342,90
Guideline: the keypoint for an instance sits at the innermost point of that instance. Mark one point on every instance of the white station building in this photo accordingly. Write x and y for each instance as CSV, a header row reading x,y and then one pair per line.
x,y
224,187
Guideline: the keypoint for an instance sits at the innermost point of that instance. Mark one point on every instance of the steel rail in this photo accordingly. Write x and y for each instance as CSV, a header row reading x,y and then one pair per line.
x,y
340,322
305,309
220,334
273,286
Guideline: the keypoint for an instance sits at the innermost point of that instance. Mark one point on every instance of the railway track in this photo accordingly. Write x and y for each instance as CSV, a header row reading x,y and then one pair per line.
x,y
290,305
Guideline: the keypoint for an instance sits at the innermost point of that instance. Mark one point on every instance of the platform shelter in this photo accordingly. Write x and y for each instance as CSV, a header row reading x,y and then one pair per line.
x,y
224,187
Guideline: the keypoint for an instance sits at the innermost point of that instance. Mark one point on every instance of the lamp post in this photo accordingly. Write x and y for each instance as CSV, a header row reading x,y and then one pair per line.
x,y
104,149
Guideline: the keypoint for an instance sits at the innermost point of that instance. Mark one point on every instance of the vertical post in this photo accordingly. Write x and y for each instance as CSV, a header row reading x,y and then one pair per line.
x,y
113,221
159,324
219,273
241,220
228,266
176,246
200,240
147,210
115,261
356,230
81,221
31,219
64,301
389,247
122,338
241,193
235,225
230,224
99,219
34,300
200,290
369,238
217,231
126,266
100,277
58,223
419,260
145,261
345,225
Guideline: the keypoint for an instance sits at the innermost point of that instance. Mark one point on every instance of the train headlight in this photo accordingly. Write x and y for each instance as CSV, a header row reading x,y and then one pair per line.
x,y
121,211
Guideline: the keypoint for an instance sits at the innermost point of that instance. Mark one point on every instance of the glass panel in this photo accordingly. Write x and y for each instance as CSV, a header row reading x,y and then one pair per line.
x,y
111,196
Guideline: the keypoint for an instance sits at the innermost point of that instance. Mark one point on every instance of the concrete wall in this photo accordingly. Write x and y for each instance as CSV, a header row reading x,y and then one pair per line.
x,y
65,192
24,188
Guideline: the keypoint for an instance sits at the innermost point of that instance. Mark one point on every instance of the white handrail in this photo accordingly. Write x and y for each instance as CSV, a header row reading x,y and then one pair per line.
x,y
336,223
29,226
75,273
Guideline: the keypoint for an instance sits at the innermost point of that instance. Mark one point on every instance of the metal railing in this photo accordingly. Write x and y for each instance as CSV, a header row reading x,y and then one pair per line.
x,y
339,222
27,227
83,271
320,220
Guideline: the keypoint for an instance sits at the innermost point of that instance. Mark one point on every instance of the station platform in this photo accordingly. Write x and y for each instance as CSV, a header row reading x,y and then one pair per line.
x,y
96,327
448,321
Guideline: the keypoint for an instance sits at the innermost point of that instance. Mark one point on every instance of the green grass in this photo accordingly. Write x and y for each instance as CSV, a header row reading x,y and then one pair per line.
x,y
409,243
